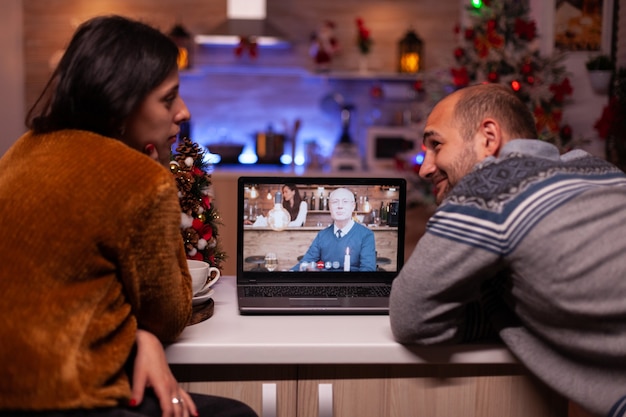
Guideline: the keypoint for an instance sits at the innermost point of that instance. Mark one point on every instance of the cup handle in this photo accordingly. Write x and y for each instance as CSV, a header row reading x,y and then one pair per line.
x,y
214,276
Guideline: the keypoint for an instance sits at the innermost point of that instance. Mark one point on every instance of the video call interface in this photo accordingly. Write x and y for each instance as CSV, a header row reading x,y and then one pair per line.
x,y
267,248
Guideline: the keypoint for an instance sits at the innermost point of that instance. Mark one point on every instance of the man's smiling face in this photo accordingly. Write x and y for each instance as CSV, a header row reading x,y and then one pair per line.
x,y
449,157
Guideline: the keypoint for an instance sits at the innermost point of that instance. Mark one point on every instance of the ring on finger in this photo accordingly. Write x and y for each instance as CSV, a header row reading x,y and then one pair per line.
x,y
176,400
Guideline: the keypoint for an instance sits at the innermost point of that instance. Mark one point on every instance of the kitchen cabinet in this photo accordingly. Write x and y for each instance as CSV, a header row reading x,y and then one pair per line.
x,y
381,390
347,366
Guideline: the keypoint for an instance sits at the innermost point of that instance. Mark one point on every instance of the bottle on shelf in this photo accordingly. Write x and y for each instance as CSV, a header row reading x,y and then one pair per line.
x,y
383,213
313,205
366,207
321,201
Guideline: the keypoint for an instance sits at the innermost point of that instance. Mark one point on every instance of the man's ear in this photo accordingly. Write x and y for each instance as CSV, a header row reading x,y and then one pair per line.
x,y
491,137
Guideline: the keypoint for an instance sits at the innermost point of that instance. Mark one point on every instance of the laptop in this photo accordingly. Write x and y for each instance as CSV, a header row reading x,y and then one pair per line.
x,y
288,268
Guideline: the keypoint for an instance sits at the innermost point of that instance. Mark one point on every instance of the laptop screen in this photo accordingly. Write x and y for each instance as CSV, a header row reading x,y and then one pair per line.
x,y
319,229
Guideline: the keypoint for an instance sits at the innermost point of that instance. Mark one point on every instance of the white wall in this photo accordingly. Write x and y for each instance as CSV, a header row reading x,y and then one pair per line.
x,y
11,74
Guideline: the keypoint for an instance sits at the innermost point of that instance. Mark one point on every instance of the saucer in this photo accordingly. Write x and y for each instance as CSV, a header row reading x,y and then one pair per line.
x,y
202,297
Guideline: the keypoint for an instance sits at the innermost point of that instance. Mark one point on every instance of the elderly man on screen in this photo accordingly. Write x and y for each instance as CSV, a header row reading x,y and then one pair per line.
x,y
345,245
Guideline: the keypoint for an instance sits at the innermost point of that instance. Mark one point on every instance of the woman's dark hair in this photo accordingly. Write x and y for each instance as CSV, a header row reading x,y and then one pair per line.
x,y
111,64
297,199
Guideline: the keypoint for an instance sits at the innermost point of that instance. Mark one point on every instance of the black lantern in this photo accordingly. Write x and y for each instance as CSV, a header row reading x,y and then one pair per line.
x,y
410,53
185,44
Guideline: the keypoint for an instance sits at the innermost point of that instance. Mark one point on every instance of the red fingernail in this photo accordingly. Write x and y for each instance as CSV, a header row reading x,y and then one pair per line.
x,y
132,402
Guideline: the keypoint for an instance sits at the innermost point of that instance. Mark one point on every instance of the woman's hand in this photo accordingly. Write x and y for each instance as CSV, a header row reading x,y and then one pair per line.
x,y
152,370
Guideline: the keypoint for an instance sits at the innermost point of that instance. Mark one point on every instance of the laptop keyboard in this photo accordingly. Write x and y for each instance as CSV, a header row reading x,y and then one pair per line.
x,y
317,291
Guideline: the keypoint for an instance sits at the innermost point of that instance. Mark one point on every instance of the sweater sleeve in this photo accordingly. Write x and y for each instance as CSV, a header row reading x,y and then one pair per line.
x,y
367,260
436,296
154,267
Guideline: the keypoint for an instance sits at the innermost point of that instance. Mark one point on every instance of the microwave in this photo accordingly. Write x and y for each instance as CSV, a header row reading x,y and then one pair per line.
x,y
386,143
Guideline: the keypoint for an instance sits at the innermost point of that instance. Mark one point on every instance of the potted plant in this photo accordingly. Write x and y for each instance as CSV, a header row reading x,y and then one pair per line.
x,y
600,69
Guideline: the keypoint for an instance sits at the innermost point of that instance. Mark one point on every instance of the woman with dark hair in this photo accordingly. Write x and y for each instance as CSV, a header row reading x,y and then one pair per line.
x,y
293,203
94,276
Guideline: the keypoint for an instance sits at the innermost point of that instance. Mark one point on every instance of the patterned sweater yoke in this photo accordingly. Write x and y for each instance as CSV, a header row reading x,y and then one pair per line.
x,y
507,197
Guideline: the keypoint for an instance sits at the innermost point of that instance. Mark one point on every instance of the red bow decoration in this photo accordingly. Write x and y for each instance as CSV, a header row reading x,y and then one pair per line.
x,y
525,30
546,119
561,90
491,39
247,43
460,77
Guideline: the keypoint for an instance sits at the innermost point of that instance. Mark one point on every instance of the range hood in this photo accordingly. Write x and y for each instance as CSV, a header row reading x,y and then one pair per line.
x,y
246,18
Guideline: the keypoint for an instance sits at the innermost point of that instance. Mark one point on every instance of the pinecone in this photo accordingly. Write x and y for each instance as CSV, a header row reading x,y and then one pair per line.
x,y
187,149
189,204
190,237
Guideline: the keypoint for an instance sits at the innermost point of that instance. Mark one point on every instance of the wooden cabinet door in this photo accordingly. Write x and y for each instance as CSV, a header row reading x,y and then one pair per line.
x,y
424,391
269,390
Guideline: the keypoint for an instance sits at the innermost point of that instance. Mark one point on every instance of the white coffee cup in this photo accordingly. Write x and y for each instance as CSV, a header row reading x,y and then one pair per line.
x,y
202,274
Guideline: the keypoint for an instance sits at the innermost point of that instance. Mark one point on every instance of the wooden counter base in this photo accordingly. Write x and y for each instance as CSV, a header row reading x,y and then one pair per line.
x,y
490,390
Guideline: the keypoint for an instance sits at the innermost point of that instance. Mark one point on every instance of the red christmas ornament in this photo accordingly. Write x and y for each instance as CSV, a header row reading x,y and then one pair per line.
x,y
376,91
527,68
530,80
493,77
459,53
469,33
566,133
418,86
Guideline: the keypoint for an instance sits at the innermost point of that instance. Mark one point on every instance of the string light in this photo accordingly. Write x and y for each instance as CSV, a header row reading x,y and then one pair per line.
x,y
477,4
515,85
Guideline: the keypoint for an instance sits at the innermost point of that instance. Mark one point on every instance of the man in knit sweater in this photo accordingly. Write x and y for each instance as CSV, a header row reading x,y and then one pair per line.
x,y
527,243
344,245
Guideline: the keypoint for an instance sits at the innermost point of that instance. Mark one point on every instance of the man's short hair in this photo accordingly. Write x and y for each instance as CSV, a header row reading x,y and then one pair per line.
x,y
493,100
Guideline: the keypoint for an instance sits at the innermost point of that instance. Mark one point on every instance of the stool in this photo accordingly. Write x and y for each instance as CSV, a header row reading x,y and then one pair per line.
x,y
256,259
382,261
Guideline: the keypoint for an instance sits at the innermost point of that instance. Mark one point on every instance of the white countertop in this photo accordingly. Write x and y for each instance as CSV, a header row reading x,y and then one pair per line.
x,y
230,338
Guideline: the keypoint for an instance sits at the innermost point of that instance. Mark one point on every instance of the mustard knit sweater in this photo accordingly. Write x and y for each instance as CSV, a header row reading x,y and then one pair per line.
x,y
90,249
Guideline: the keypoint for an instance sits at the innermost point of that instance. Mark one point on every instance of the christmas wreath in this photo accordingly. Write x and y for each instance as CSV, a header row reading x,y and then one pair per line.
x,y
199,218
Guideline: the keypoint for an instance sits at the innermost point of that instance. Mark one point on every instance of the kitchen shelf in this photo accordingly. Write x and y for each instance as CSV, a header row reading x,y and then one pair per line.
x,y
200,71
367,75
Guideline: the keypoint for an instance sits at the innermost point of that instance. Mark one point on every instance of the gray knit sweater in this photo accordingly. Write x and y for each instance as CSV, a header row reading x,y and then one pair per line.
x,y
532,245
